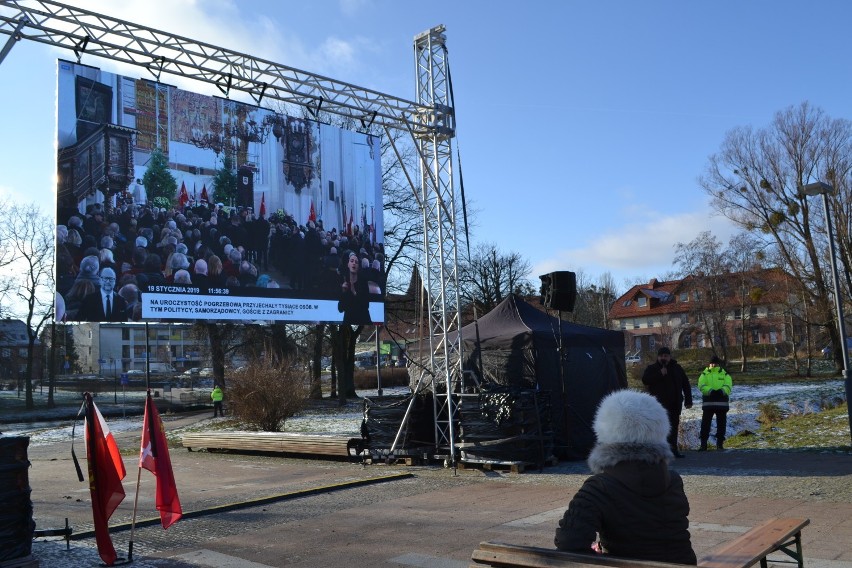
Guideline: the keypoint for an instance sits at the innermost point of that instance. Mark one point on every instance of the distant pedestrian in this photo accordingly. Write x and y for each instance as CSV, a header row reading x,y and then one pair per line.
x,y
217,395
715,385
666,381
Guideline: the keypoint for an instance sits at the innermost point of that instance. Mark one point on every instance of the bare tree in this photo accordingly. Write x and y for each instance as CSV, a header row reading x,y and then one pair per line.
x,y
755,180
28,237
490,275
703,267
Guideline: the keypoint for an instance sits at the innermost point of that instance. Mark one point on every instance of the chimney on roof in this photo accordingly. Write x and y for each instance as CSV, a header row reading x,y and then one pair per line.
x,y
652,283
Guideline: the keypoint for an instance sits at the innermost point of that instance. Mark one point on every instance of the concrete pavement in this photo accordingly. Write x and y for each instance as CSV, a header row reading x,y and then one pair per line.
x,y
431,517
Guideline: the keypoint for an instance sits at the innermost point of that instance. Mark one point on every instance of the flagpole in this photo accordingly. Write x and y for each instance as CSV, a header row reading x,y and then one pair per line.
x,y
138,482
133,521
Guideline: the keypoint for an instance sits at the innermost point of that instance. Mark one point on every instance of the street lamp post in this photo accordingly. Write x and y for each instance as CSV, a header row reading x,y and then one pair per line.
x,y
822,188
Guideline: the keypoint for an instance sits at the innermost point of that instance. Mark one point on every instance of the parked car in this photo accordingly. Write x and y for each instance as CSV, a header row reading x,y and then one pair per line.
x,y
633,359
206,372
192,372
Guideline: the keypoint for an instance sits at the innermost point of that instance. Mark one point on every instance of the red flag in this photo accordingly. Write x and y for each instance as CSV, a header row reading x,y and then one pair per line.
x,y
313,214
106,470
154,456
263,204
204,197
183,198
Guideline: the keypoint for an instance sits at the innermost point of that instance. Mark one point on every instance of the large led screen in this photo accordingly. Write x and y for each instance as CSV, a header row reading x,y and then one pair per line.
x,y
172,205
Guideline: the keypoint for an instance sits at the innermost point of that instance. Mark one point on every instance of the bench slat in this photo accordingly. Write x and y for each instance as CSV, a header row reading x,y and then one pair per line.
x,y
754,545
502,554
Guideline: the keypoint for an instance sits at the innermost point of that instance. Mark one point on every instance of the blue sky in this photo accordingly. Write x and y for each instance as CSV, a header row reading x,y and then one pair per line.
x,y
582,126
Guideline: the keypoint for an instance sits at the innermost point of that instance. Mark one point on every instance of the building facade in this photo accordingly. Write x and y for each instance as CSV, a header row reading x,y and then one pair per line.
x,y
14,348
756,308
114,348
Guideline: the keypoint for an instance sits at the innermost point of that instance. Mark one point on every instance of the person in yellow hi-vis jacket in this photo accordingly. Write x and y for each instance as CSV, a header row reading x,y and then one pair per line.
x,y
715,385
217,395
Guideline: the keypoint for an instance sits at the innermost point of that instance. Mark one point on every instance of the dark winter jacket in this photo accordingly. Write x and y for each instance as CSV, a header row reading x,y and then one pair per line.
x,y
356,307
671,389
636,504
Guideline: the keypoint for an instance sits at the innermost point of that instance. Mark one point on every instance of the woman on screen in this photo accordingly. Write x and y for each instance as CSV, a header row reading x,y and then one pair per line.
x,y
355,293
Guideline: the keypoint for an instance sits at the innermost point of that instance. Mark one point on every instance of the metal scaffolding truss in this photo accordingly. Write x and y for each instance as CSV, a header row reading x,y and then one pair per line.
x,y
430,121
83,31
439,229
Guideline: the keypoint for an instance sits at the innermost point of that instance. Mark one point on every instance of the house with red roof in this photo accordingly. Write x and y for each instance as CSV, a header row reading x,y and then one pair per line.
x,y
757,307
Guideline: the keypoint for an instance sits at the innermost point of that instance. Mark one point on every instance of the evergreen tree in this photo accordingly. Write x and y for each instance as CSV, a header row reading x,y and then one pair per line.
x,y
159,182
225,182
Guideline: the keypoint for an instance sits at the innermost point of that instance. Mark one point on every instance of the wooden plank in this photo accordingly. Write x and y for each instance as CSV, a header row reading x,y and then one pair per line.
x,y
754,545
502,554
268,442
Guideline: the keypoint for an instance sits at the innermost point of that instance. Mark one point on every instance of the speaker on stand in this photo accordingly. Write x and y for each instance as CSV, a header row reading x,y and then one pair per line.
x,y
559,292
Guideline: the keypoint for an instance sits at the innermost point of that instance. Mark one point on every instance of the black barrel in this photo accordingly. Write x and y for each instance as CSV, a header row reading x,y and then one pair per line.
x,y
16,507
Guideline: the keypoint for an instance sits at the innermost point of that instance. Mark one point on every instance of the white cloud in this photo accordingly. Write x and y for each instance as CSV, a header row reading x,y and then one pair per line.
x,y
354,7
646,244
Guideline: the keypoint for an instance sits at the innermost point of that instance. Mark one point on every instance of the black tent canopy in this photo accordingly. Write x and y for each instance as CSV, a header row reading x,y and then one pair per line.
x,y
518,345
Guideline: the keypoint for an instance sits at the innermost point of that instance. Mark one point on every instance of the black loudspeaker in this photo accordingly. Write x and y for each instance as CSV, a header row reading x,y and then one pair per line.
x,y
559,291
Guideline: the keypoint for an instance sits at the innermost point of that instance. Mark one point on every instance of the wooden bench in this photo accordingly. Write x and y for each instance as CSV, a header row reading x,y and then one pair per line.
x,y
283,442
753,546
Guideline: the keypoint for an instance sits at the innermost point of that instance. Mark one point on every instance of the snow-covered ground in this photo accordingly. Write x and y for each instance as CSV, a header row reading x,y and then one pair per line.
x,y
792,398
346,421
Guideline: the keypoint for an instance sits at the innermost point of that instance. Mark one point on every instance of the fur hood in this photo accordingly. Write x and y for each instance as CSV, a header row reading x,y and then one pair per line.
x,y
631,417
607,456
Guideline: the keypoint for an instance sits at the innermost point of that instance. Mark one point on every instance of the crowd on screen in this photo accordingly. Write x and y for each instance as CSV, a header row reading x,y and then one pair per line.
x,y
206,246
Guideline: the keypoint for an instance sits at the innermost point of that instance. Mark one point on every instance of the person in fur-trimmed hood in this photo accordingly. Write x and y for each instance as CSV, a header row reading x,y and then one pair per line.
x,y
633,506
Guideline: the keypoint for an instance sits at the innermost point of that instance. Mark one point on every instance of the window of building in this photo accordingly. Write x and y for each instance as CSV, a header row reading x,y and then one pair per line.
x,y
125,334
738,314
696,295
626,303
637,343
623,324
752,313
642,301
702,342
684,296
773,337
755,336
652,343
635,324
22,352
686,341
125,352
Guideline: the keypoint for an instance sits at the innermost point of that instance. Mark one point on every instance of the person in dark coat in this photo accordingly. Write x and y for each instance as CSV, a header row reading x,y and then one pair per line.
x,y
634,503
666,381
104,304
354,300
